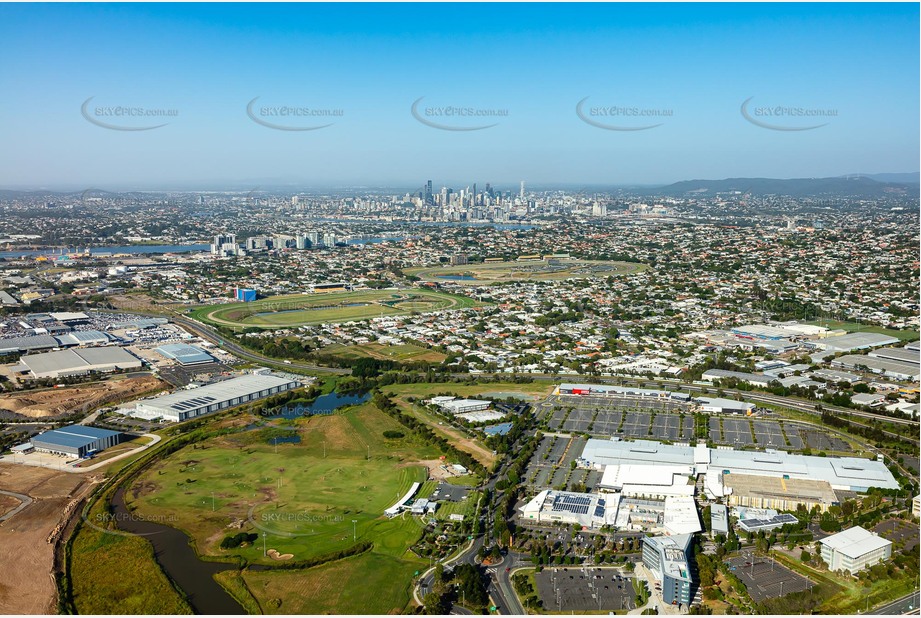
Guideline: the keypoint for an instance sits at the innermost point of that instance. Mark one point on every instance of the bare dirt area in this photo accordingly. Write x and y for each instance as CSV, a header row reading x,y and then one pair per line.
x,y
57,401
27,586
7,504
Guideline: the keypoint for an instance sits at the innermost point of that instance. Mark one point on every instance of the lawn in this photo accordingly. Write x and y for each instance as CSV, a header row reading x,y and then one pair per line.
x,y
903,335
301,309
117,574
846,595
368,584
473,446
312,498
465,507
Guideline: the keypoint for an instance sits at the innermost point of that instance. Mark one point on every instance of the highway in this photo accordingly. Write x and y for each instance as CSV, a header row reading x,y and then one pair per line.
x,y
906,605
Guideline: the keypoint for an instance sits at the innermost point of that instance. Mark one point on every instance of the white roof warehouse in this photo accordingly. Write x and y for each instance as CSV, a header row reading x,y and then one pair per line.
x,y
183,405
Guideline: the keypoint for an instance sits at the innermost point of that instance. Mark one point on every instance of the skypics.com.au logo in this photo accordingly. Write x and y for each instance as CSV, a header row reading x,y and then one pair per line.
x,y
785,117
124,117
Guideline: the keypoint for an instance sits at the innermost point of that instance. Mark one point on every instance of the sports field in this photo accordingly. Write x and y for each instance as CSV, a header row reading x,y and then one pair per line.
x,y
537,270
304,497
303,309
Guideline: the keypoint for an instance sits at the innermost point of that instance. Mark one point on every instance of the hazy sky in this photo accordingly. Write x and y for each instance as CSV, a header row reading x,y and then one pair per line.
x,y
856,64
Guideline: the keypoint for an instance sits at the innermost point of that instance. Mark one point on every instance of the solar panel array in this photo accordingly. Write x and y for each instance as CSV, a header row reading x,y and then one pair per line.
x,y
193,403
572,504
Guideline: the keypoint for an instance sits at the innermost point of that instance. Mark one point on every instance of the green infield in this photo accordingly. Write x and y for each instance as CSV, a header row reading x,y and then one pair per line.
x,y
323,495
530,270
303,309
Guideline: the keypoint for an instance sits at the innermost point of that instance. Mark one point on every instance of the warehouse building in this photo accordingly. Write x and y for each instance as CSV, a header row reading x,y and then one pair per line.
x,y
648,481
64,363
76,440
666,557
712,375
602,390
854,549
896,369
719,405
779,493
853,341
461,406
186,404
905,355
846,473
567,507
185,354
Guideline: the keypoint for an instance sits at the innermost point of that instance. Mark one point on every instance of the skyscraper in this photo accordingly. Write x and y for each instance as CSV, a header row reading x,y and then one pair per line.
x,y
521,195
428,192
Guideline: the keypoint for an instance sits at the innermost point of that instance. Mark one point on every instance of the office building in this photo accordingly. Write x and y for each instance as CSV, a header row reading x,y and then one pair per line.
x,y
667,559
854,549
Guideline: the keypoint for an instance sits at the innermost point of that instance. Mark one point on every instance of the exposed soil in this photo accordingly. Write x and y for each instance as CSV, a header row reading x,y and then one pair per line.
x,y
59,401
27,558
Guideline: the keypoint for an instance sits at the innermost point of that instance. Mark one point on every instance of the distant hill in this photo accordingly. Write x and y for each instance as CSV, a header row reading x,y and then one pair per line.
x,y
842,186
905,177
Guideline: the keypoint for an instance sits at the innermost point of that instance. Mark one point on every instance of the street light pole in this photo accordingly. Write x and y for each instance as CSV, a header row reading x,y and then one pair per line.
x,y
354,532
263,545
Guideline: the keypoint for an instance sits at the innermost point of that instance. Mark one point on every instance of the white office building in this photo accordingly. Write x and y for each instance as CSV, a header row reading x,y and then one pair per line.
x,y
854,549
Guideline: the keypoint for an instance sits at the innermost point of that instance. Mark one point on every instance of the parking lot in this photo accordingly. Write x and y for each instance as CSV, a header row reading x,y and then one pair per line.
x,y
551,464
654,419
662,419
765,579
449,493
566,589
818,440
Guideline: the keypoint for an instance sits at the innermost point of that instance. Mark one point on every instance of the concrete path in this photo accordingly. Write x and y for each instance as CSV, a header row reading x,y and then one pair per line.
x,y
25,500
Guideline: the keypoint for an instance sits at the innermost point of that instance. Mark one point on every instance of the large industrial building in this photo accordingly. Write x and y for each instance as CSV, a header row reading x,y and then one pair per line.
x,y
648,481
891,368
186,404
566,507
844,473
185,354
76,440
666,557
77,362
461,406
852,341
772,492
854,549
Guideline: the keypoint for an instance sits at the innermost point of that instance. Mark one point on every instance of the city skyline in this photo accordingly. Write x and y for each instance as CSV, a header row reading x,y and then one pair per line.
x,y
461,91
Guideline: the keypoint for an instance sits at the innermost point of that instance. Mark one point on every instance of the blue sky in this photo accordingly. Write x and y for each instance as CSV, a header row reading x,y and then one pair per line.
x,y
855,63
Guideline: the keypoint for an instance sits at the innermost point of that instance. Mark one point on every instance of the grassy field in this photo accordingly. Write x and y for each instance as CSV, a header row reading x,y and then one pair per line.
x,y
368,584
304,496
302,309
465,507
846,595
401,393
539,270
851,327
116,574
402,353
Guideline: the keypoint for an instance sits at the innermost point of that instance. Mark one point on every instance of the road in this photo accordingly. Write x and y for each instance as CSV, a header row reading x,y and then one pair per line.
x,y
209,334
23,499
906,605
